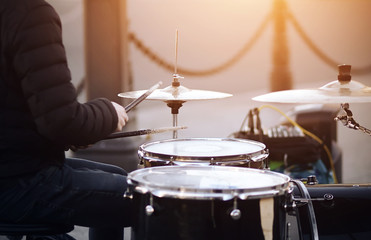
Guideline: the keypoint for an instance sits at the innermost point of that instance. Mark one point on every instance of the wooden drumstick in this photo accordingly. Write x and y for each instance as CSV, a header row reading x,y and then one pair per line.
x,y
142,132
176,52
142,97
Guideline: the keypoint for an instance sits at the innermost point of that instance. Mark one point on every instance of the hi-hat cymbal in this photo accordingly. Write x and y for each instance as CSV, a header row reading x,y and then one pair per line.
x,y
342,90
176,93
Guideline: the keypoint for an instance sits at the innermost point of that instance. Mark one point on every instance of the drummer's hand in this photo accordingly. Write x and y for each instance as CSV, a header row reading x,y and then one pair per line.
x,y
122,116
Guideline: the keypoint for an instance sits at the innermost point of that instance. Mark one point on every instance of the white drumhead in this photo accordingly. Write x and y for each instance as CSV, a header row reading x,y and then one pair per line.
x,y
194,148
208,182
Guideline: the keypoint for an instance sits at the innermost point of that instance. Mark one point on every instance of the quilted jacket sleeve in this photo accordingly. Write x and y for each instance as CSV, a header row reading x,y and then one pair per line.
x,y
41,67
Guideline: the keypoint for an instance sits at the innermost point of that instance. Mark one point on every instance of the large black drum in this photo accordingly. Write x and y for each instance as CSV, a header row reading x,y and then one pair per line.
x,y
342,211
204,151
209,202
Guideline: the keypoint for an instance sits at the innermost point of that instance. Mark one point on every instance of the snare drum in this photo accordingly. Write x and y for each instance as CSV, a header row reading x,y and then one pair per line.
x,y
204,151
208,202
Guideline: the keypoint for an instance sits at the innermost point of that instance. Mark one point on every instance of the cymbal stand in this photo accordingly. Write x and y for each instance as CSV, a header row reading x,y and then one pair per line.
x,y
349,121
175,104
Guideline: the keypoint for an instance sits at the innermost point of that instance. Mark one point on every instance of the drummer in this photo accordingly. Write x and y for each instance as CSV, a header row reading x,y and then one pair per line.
x,y
40,119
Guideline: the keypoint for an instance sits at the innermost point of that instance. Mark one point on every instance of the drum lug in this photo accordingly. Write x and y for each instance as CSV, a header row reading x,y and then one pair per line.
x,y
266,160
149,208
235,213
128,195
141,162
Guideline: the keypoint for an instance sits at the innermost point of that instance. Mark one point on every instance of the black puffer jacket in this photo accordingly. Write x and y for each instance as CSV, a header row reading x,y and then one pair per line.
x,y
39,111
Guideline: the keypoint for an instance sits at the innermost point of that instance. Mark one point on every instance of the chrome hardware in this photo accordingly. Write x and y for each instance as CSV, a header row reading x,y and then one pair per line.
x,y
235,213
149,208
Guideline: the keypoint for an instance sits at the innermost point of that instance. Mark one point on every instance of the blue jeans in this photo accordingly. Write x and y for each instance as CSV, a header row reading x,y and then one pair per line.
x,y
82,192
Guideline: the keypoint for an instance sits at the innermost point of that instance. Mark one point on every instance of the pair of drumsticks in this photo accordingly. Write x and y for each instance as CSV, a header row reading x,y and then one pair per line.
x,y
133,104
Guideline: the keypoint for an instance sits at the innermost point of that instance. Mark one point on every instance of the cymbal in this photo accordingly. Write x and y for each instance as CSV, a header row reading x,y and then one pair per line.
x,y
321,95
342,90
176,93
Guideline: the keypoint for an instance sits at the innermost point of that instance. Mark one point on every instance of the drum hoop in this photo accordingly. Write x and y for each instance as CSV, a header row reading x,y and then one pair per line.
x,y
210,193
256,156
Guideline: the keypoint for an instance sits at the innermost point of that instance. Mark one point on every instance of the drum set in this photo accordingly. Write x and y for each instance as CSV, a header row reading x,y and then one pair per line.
x,y
222,188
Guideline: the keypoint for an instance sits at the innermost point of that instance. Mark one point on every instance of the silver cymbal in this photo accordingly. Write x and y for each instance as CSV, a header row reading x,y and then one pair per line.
x,y
342,90
176,93
325,94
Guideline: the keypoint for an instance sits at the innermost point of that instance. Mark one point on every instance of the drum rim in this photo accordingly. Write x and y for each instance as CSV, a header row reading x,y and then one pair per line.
x,y
209,193
252,156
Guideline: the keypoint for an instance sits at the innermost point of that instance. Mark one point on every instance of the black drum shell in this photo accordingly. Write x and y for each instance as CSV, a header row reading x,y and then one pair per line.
x,y
202,219
346,216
